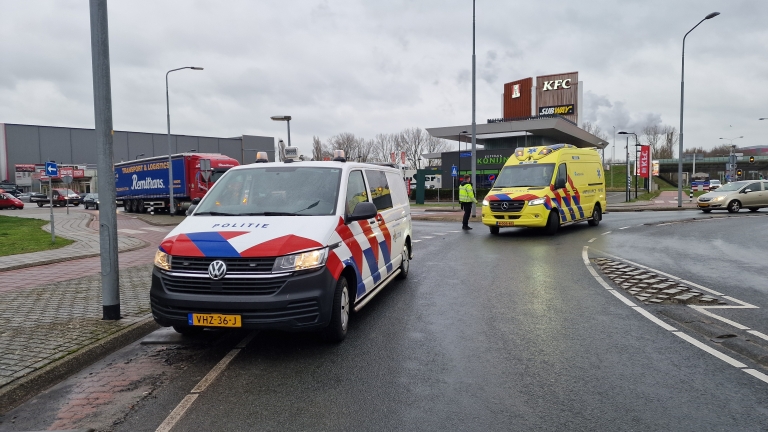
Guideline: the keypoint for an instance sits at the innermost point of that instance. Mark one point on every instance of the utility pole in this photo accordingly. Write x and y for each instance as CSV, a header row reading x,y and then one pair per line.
x,y
474,125
102,106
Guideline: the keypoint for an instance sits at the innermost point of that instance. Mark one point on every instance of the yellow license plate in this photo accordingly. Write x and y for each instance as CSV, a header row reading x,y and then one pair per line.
x,y
505,223
214,320
703,205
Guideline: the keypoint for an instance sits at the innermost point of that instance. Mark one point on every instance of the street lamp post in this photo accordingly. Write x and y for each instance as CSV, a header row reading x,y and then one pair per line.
x,y
171,208
474,106
286,119
629,181
682,93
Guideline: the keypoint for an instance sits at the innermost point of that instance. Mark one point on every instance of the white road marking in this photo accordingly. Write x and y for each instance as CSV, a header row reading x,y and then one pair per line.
x,y
158,229
438,234
185,403
130,231
758,334
660,202
454,231
607,232
177,413
759,375
624,228
675,201
415,241
592,239
426,237
726,358
700,309
709,350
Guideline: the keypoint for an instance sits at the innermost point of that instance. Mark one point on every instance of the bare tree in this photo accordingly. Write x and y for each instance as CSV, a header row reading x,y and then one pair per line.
x,y
667,149
652,135
594,130
414,144
364,150
384,145
435,145
317,148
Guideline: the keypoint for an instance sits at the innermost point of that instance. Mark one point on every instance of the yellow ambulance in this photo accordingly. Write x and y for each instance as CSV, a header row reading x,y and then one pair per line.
x,y
547,187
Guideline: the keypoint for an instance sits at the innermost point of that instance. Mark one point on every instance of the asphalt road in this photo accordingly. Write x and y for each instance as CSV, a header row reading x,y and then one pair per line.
x,y
508,332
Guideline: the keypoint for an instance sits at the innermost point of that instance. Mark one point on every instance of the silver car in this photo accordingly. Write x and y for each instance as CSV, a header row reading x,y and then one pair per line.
x,y
749,194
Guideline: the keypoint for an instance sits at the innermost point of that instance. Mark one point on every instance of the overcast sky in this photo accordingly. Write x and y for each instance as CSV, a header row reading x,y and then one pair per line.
x,y
369,67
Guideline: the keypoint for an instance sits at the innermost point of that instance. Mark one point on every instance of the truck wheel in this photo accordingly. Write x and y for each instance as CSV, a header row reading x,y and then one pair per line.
x,y
553,222
39,204
734,206
337,328
494,230
131,206
597,215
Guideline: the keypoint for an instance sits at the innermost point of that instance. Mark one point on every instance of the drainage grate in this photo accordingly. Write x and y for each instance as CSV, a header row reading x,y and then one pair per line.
x,y
651,288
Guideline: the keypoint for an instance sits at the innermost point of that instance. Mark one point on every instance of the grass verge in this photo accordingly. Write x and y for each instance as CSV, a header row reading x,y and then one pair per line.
x,y
21,235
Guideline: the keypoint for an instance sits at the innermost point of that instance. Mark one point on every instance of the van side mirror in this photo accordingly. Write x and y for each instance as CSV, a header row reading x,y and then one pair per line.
x,y
363,210
559,183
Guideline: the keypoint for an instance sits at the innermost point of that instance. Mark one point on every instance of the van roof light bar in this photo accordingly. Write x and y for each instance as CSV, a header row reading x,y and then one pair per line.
x,y
262,157
338,156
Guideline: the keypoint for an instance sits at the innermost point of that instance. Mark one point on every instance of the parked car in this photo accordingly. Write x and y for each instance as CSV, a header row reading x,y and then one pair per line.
x,y
8,201
91,200
714,184
750,194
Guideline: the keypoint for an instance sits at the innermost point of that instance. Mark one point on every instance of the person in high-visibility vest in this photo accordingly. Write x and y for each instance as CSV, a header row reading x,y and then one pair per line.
x,y
466,198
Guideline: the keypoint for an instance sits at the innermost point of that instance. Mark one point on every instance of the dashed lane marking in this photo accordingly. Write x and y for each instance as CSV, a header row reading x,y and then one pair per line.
x,y
624,228
454,231
158,229
438,234
758,334
709,350
426,237
189,399
592,239
607,232
415,241
130,231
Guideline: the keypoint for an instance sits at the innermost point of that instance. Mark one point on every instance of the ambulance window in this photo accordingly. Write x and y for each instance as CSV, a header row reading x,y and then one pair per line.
x,y
562,174
356,192
379,189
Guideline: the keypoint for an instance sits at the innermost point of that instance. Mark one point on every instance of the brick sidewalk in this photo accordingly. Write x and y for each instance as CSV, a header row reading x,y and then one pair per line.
x,y
43,324
74,226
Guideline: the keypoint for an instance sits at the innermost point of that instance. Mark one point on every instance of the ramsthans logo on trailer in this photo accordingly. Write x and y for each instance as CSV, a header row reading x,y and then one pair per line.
x,y
147,183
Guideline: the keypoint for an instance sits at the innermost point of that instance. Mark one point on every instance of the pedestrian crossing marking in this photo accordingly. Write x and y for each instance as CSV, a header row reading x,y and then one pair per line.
x,y
158,229
130,231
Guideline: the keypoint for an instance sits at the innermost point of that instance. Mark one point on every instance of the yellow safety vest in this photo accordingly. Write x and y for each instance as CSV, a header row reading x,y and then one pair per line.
x,y
466,194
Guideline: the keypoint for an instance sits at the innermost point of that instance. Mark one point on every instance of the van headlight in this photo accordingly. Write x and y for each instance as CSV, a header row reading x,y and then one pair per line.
x,y
301,261
537,201
162,260
485,202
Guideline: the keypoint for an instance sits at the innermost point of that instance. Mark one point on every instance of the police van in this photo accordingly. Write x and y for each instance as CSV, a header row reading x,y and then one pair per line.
x,y
292,246
547,187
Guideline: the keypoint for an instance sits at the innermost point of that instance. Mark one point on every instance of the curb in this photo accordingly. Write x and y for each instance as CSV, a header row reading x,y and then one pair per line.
x,y
148,219
19,391
71,258
640,209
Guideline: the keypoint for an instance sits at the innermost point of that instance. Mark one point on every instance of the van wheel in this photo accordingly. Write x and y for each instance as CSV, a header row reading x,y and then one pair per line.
x,y
494,230
734,206
597,216
553,222
406,265
39,204
337,328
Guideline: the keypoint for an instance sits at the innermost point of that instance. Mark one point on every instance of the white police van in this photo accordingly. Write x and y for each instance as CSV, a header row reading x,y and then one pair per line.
x,y
292,246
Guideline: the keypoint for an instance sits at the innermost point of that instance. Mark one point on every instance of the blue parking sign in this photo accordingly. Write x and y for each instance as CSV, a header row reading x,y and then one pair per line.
x,y
51,169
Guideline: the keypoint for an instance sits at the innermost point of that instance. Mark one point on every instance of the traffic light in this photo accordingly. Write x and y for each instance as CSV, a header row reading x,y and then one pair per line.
x,y
751,159
738,173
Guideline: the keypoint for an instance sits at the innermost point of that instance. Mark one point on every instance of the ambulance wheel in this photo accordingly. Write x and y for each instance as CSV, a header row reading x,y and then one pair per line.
x,y
406,265
597,215
553,222
494,230
337,328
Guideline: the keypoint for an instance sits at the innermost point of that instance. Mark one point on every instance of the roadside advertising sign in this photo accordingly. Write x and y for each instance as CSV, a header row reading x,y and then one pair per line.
x,y
645,162
25,168
66,171
402,157
655,168
78,173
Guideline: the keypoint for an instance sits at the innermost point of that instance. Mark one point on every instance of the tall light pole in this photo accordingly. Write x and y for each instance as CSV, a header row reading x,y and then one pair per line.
x,y
286,119
629,182
171,208
474,125
682,94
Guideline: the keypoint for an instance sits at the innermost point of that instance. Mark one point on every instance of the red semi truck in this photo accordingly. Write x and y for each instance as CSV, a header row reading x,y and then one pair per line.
x,y
143,184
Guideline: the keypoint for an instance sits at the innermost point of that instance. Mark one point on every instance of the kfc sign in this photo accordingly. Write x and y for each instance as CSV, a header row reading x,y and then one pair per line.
x,y
557,84
644,164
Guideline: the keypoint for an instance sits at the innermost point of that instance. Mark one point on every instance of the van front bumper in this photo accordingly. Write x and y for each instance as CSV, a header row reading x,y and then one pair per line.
x,y
299,301
531,217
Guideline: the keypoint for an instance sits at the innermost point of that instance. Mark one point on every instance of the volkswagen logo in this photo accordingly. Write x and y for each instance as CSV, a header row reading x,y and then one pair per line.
x,y
217,270
505,206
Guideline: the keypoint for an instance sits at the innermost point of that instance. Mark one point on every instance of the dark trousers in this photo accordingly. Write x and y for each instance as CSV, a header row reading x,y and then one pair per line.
x,y
467,207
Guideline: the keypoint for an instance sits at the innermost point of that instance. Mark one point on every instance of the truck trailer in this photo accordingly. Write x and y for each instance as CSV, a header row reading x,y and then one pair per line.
x,y
142,185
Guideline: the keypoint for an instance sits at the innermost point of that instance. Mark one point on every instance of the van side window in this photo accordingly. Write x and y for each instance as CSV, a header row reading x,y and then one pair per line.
x,y
379,189
397,186
356,192
562,173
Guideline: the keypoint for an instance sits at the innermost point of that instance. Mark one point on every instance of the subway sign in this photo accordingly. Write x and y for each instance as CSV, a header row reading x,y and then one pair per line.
x,y
557,109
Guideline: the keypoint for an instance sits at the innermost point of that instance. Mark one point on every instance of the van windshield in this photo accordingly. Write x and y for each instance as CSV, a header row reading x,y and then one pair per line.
x,y
526,175
274,191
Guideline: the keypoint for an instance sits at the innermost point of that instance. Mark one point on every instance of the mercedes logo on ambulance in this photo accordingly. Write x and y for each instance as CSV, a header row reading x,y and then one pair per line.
x,y
505,206
217,270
